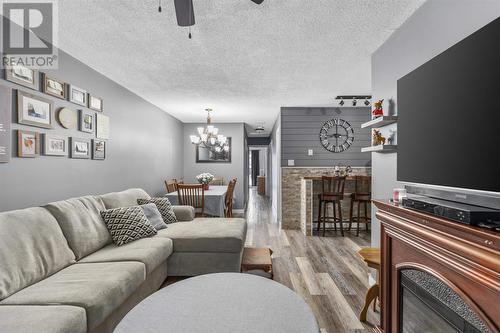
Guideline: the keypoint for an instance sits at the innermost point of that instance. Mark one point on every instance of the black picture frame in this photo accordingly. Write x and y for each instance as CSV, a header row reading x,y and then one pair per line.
x,y
201,159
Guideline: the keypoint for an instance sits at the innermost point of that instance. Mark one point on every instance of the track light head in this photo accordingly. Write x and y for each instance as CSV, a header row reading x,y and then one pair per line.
x,y
341,102
354,102
367,102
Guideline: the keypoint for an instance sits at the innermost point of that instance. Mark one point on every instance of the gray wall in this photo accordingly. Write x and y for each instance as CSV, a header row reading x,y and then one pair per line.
x,y
144,148
226,170
300,128
434,27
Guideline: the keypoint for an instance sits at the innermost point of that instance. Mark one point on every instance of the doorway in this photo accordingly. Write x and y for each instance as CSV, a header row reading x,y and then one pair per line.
x,y
258,167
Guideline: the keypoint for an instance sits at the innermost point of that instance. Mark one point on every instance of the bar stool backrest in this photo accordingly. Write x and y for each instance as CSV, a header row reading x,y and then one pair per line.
x,y
333,187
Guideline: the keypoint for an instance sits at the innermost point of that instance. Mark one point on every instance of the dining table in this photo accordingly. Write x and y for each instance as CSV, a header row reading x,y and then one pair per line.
x,y
214,199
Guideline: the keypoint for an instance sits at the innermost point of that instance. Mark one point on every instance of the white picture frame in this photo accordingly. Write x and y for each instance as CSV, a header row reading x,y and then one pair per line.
x,y
54,145
77,95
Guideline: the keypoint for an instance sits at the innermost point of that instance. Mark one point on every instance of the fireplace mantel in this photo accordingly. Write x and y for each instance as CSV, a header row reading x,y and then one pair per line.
x,y
466,259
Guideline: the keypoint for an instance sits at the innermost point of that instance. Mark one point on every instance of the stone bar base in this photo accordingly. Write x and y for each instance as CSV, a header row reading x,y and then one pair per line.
x,y
299,202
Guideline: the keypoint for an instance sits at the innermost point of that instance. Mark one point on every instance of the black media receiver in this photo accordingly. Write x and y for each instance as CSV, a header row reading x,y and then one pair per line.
x,y
463,213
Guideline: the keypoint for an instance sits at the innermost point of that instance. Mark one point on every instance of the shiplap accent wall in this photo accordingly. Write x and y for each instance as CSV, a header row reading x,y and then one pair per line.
x,y
300,128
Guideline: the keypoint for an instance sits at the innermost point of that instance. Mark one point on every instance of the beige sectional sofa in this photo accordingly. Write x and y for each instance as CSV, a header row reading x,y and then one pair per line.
x,y
60,271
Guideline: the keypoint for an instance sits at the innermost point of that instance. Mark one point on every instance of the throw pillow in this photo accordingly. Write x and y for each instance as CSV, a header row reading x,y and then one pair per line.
x,y
127,224
154,216
164,206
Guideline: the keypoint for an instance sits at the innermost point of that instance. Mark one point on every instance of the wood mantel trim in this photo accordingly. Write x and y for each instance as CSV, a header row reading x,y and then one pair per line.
x,y
466,258
478,265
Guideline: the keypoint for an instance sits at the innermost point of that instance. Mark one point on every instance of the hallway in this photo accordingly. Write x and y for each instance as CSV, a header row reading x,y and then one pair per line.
x,y
325,271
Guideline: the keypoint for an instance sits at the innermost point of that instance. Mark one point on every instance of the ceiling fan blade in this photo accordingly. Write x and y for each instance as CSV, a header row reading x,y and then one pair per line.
x,y
184,12
258,1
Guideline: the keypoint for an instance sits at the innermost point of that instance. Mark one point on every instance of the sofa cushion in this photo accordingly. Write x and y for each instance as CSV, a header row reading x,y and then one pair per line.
x,y
97,287
150,251
81,224
42,319
125,198
207,235
164,206
183,213
127,224
154,216
32,247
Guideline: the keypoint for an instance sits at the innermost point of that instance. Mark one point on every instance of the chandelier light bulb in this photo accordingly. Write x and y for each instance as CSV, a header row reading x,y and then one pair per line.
x,y
212,141
215,131
210,129
201,130
218,149
195,139
226,148
204,137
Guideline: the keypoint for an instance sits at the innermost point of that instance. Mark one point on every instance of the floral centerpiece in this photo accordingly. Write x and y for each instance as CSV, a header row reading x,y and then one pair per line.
x,y
205,179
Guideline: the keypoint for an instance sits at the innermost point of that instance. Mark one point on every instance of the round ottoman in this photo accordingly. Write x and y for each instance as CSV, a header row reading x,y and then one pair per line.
x,y
222,302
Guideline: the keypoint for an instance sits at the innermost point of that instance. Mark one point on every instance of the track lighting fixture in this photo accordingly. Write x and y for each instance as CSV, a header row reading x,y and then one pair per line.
x,y
159,6
354,99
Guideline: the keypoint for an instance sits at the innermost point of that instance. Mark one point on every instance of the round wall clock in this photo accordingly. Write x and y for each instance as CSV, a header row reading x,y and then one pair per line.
x,y
67,118
336,135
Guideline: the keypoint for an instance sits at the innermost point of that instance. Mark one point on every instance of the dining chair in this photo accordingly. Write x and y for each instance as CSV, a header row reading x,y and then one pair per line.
x,y
171,185
192,195
228,199
332,191
217,181
361,196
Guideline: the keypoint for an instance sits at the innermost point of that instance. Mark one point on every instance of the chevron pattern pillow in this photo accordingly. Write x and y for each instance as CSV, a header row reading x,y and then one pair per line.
x,y
164,206
127,224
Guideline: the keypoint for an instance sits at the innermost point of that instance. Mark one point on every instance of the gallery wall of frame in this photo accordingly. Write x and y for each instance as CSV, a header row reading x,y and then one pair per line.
x,y
49,124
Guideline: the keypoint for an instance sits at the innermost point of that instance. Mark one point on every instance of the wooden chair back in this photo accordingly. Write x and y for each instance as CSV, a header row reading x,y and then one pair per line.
x,y
362,188
228,199
192,195
217,181
171,185
332,187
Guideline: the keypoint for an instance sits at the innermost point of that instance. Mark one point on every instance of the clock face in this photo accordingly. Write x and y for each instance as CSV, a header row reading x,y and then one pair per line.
x,y
336,135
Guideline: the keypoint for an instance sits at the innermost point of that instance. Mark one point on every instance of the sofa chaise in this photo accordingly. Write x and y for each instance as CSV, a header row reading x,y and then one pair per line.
x,y
60,271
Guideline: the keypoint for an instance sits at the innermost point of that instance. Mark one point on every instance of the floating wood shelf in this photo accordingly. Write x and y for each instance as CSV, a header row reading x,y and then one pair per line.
x,y
380,121
380,149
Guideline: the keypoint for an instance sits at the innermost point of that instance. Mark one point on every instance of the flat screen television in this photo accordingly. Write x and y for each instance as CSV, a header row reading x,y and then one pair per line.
x,y
449,116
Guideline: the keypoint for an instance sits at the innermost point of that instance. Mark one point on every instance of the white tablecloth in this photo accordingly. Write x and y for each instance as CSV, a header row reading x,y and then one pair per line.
x,y
214,200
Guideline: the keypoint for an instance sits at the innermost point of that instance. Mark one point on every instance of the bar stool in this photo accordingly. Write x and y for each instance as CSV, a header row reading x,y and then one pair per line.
x,y
332,192
360,196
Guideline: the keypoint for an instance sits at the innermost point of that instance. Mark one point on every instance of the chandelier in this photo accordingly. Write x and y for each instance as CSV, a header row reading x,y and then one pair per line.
x,y
208,137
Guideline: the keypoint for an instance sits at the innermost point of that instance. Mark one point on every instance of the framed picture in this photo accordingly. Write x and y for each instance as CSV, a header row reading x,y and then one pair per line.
x,y
34,110
54,87
54,145
80,148
22,75
86,121
98,149
77,95
28,143
102,126
95,103
205,155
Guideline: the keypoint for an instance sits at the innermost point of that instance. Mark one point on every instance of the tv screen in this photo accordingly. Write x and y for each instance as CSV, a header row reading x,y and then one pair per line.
x,y
449,116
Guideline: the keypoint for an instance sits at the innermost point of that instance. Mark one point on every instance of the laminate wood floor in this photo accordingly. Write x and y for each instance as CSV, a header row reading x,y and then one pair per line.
x,y
325,271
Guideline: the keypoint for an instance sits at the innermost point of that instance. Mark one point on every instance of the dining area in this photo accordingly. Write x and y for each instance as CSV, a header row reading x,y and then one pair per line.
x,y
210,196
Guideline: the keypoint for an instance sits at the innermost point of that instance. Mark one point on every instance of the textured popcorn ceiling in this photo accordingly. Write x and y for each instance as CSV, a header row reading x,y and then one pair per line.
x,y
245,61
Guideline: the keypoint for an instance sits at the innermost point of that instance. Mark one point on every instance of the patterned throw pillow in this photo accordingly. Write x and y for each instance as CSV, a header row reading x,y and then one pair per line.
x,y
164,206
127,224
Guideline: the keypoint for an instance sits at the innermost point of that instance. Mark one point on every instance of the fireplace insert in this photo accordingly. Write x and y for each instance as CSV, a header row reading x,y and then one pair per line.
x,y
428,305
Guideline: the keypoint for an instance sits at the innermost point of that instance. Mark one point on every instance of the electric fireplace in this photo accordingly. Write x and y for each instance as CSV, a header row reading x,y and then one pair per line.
x,y
437,276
